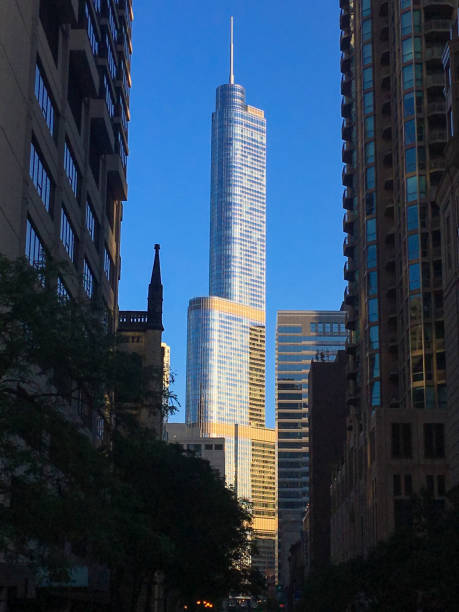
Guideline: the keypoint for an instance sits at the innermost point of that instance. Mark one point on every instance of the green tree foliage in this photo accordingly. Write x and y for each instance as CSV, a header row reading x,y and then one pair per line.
x,y
415,569
123,500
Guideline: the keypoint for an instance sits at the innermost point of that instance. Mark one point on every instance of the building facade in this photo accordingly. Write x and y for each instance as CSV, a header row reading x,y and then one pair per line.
x,y
225,393
394,128
301,337
448,198
64,111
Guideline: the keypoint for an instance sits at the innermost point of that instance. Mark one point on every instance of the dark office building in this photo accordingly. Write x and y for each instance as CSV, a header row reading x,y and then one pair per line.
x,y
448,198
327,425
64,110
394,131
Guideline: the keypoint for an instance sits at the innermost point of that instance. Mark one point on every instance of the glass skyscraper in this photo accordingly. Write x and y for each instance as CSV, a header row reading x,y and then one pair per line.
x,y
301,336
226,331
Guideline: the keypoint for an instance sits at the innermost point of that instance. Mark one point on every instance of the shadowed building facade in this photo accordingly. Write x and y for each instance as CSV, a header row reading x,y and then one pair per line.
x,y
301,337
225,394
394,131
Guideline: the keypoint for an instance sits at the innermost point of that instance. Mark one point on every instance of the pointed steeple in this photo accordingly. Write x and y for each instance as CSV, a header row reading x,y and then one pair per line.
x,y
155,296
231,74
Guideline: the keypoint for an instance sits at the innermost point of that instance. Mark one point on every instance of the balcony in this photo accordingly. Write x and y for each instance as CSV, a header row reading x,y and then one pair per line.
x,y
351,346
351,294
437,29
348,199
101,126
437,3
347,175
345,62
349,270
344,19
434,53
83,62
116,176
348,222
345,40
437,163
346,85
437,136
348,246
346,107
436,80
436,108
346,129
346,152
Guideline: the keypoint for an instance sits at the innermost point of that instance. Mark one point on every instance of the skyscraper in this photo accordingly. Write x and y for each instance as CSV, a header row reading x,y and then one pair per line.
x,y
301,337
394,129
226,331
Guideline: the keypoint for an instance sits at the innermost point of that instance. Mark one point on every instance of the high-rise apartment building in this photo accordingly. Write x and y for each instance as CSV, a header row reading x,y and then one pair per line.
x,y
225,394
302,336
394,129
64,110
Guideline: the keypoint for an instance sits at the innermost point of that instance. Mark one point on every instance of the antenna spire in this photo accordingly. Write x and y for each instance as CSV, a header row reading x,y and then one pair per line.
x,y
231,75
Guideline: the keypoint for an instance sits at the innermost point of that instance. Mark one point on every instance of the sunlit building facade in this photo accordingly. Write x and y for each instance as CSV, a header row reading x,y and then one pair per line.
x,y
226,331
301,337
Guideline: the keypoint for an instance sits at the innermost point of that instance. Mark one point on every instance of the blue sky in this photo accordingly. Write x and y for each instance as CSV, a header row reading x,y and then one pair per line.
x,y
287,57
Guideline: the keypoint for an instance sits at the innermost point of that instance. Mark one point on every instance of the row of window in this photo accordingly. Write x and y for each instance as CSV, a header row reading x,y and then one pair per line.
x,y
402,445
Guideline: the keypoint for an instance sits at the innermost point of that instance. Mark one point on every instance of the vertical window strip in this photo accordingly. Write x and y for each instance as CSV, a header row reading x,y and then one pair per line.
x,y
44,99
108,97
91,30
90,221
62,292
67,235
107,264
111,21
71,169
34,250
110,58
40,177
97,5
88,279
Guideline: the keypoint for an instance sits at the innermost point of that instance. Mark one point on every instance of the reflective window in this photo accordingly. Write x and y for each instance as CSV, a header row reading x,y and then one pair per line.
x,y
410,132
374,337
88,279
366,8
368,103
374,365
371,230
412,217
370,178
40,177
67,235
373,310
370,203
417,21
405,3
367,53
370,152
369,127
413,246
411,188
408,76
367,77
371,256
406,24
44,99
34,250
410,160
372,282
418,74
376,393
71,169
366,30
90,221
415,277
289,329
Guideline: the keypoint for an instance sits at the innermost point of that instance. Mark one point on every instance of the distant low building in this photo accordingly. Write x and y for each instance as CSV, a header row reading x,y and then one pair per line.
x,y
210,449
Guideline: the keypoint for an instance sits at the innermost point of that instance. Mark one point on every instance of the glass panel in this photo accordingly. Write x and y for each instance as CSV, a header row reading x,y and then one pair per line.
x,y
370,203
371,256
369,127
373,310
407,50
374,365
413,246
370,177
366,8
411,188
372,282
412,217
406,24
410,160
408,76
371,230
374,337
367,53
415,277
408,104
370,152
410,132
376,394
368,102
366,30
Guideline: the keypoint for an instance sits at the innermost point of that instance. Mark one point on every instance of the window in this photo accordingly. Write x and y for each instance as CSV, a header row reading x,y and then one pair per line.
x,y
34,250
417,21
376,393
369,127
372,282
370,152
107,264
406,24
367,77
91,31
412,217
110,58
108,97
374,337
405,3
401,440
371,230
407,50
313,328
289,329
415,277
62,292
370,178
67,235
368,102
71,169
408,76
410,132
88,279
373,310
411,188
366,30
40,177
374,365
90,221
367,53
122,150
371,256
366,8
413,246
418,75
434,440
44,99
370,203
410,160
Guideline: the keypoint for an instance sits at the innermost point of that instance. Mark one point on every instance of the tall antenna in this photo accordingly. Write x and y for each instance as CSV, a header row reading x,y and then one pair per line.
x,y
231,76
